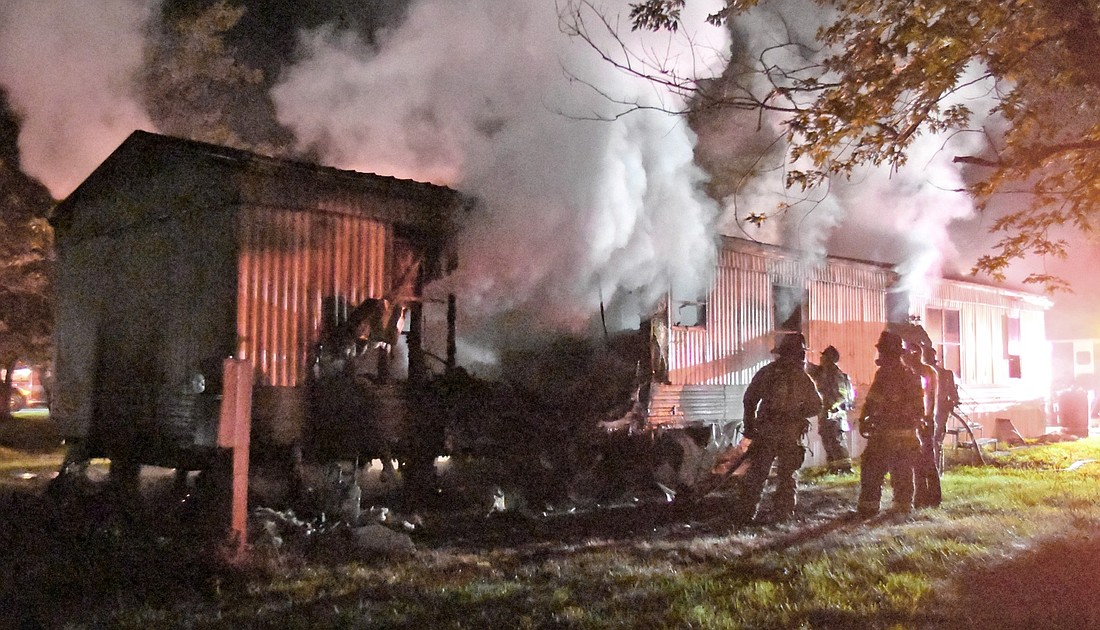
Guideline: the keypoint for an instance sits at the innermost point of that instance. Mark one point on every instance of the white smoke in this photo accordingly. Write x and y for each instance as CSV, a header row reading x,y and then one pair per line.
x,y
903,217
69,69
483,96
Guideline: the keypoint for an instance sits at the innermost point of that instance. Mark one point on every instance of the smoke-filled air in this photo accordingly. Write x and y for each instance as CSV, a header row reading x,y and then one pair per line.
x,y
573,210
496,101
70,70
580,209
905,217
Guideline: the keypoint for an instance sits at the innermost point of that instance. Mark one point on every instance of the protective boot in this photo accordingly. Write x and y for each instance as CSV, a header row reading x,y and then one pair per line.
x,y
866,509
784,500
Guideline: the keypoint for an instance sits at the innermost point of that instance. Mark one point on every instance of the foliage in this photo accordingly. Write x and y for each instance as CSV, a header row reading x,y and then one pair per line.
x,y
26,258
195,86
891,71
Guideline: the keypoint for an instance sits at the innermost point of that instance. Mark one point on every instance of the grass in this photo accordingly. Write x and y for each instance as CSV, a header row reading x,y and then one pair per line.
x,y
1014,545
11,459
28,442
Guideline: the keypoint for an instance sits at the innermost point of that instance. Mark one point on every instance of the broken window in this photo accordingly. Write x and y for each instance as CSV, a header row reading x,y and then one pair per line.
x,y
687,309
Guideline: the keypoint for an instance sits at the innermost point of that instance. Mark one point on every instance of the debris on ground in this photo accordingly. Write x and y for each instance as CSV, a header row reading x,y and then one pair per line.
x,y
1054,437
376,538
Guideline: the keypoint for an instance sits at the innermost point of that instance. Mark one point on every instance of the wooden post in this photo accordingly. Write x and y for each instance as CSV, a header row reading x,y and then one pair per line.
x,y
234,426
415,339
452,319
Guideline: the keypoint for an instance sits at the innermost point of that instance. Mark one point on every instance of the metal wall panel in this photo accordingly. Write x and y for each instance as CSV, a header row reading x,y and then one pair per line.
x,y
676,405
291,264
987,392
846,310
982,313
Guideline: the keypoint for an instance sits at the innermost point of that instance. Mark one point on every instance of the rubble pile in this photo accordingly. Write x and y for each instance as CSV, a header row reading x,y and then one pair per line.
x,y
343,528
541,424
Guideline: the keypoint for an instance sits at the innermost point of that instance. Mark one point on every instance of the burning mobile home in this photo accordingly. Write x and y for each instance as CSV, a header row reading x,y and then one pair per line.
x,y
174,255
706,351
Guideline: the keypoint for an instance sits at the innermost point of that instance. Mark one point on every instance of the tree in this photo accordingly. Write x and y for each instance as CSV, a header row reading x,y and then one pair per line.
x,y
26,311
196,88
888,71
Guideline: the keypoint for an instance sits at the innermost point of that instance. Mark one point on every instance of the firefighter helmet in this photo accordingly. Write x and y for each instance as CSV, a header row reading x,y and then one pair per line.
x,y
890,344
790,344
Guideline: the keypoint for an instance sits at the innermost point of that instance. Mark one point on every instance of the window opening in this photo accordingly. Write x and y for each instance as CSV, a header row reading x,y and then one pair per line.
x,y
944,327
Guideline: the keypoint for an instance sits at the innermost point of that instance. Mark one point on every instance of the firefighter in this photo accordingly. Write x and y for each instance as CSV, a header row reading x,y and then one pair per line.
x,y
891,413
947,398
926,468
778,402
837,397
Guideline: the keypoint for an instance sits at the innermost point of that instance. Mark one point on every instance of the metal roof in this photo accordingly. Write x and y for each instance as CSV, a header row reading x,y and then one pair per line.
x,y
142,146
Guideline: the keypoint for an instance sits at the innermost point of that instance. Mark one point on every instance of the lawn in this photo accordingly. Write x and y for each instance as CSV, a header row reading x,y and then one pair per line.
x,y
1015,545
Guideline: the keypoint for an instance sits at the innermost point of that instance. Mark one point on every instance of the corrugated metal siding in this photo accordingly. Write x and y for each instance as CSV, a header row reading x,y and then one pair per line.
x,y
848,313
677,406
986,390
846,310
289,263
982,313
680,404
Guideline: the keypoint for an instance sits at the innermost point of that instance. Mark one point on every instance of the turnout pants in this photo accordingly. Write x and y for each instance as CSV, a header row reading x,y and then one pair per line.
x,y
928,493
831,429
888,452
788,454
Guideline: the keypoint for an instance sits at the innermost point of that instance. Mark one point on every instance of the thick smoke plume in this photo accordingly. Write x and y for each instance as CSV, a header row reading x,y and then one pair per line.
x,y
497,102
904,217
69,70
917,218
911,217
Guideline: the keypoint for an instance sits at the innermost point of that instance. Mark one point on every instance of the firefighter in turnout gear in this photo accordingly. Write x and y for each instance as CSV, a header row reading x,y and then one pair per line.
x,y
837,397
927,472
891,414
947,398
779,401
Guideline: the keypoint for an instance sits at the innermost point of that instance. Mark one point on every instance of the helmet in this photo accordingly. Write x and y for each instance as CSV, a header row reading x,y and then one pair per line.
x,y
830,354
790,344
929,354
890,344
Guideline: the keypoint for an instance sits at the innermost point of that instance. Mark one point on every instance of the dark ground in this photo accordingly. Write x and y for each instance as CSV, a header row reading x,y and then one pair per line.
x,y
67,559
64,555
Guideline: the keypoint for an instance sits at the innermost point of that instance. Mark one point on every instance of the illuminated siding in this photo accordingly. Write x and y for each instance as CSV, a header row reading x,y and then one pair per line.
x,y
986,389
289,262
710,365
846,309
